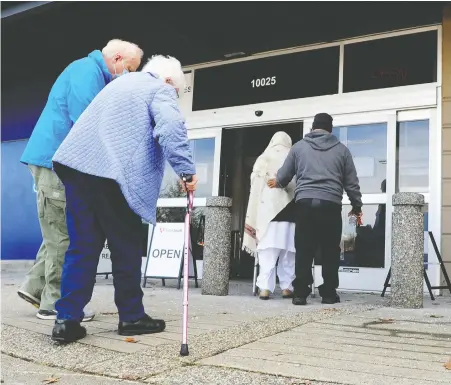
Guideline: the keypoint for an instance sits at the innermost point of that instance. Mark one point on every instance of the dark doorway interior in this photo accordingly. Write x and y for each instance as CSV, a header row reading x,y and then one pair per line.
x,y
240,149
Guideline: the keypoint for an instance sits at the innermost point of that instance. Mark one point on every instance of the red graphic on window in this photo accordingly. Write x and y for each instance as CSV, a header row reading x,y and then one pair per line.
x,y
398,75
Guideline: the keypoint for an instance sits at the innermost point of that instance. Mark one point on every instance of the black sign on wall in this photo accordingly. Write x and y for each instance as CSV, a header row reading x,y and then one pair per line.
x,y
390,62
291,76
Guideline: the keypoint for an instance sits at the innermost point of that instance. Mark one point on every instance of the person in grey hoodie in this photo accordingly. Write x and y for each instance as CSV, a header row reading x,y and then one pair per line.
x,y
323,168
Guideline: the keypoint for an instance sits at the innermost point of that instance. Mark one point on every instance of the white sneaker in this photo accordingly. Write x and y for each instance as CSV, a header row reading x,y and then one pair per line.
x,y
89,315
51,315
46,314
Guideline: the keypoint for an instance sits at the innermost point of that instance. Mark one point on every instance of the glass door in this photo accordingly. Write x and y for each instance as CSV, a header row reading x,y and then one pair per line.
x,y
418,161
371,138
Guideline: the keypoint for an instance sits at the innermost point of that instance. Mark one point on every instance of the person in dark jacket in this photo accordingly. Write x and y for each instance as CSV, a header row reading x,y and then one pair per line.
x,y
324,168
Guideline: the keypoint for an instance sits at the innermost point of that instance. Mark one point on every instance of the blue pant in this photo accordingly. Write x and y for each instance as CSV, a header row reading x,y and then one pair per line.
x,y
97,210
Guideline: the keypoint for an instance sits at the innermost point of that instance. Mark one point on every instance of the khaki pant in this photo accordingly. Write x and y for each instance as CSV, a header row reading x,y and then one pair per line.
x,y
44,279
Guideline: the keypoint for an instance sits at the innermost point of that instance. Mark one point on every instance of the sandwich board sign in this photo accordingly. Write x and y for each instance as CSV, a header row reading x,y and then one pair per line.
x,y
104,267
165,253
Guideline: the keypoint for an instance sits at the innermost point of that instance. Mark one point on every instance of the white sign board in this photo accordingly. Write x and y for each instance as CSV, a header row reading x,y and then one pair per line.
x,y
166,251
200,269
186,101
364,166
105,266
202,173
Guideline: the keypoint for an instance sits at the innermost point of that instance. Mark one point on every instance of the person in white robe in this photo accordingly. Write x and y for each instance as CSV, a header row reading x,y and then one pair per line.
x,y
270,221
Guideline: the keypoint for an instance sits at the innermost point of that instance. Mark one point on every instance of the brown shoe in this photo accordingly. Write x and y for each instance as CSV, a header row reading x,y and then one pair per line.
x,y
264,294
287,294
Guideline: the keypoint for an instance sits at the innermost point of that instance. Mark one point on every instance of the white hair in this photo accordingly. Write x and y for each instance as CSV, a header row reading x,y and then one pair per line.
x,y
167,67
125,48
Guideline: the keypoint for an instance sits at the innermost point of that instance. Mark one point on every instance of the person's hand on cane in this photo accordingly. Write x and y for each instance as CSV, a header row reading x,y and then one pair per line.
x,y
191,185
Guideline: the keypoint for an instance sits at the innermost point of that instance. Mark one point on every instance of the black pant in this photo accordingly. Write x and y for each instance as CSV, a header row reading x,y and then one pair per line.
x,y
318,225
97,209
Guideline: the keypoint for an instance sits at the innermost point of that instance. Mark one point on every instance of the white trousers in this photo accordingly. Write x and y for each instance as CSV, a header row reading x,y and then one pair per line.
x,y
267,260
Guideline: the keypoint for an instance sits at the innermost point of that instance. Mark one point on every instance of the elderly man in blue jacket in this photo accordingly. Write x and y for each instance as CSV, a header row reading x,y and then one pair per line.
x,y
72,92
112,165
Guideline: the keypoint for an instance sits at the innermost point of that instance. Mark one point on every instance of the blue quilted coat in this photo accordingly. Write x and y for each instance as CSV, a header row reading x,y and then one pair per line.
x,y
72,92
126,134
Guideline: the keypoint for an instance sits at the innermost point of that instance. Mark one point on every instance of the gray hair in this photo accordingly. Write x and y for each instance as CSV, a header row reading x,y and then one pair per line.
x,y
167,67
125,48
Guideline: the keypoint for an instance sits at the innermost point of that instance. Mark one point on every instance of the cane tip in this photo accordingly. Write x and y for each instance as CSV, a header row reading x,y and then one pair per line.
x,y
184,350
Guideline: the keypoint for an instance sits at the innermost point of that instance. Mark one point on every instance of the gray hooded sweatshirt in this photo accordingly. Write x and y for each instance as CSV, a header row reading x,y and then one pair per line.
x,y
323,167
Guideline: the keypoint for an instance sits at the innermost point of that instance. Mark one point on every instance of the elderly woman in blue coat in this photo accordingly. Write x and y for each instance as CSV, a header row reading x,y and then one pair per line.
x,y
112,165
72,92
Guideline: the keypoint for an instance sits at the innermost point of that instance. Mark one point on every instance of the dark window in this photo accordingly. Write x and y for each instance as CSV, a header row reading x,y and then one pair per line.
x,y
391,62
292,76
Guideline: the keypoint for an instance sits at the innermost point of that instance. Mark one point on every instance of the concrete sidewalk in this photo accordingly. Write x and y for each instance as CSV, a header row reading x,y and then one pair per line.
x,y
235,340
376,347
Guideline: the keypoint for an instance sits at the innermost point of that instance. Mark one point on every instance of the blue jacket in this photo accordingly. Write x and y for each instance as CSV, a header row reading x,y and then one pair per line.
x,y
72,92
126,134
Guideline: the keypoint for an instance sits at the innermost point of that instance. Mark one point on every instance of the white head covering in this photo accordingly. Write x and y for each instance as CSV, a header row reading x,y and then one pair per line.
x,y
274,155
265,203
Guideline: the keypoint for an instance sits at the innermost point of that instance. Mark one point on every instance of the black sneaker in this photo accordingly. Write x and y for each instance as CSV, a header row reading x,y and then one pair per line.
x,y
299,301
66,331
145,325
330,300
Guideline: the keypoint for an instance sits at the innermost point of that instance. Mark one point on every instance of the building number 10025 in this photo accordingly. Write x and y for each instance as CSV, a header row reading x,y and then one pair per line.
x,y
263,82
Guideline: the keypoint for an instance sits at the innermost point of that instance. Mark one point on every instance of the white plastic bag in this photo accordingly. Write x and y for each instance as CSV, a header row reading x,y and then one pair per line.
x,y
349,235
